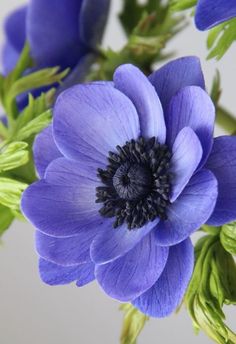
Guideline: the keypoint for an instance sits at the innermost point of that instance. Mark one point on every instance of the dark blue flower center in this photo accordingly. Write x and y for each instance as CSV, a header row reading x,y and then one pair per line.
x,y
136,183
132,182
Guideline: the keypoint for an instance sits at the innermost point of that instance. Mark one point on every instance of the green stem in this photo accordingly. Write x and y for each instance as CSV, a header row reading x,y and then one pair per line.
x,y
225,120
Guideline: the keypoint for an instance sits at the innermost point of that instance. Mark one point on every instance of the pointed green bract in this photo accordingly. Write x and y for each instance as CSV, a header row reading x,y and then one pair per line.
x,y
133,324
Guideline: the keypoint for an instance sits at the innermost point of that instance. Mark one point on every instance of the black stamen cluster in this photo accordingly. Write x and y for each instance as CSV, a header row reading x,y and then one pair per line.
x,y
136,183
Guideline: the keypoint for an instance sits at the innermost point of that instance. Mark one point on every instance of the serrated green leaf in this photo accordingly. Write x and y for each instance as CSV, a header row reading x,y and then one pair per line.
x,y
13,155
35,126
228,237
10,192
23,63
36,106
6,218
133,324
23,80
43,77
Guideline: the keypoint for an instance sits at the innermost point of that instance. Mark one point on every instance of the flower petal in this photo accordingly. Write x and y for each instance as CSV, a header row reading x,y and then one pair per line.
x,y
173,76
191,209
86,274
222,162
65,251
93,119
129,276
65,172
192,107
54,274
115,242
166,294
187,153
45,150
64,203
53,32
134,84
92,21
213,12
15,28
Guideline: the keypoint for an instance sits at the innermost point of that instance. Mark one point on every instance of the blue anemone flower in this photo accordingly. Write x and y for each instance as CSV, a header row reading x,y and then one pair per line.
x,y
60,33
129,170
210,13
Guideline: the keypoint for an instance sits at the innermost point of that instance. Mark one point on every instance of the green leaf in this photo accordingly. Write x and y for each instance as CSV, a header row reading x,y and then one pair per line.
x,y
6,218
19,82
35,107
25,61
212,285
10,192
180,5
133,324
22,65
224,276
13,155
35,126
43,77
211,229
213,35
25,173
221,38
216,88
17,168
228,237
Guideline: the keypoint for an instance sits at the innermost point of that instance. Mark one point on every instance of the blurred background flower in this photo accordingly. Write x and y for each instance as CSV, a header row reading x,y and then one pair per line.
x,y
210,13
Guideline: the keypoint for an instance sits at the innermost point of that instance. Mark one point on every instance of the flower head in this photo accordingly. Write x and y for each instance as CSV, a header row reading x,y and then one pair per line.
x,y
210,13
60,33
129,169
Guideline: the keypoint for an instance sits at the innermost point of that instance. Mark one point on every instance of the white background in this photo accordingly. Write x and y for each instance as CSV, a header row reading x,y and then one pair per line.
x,y
34,313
